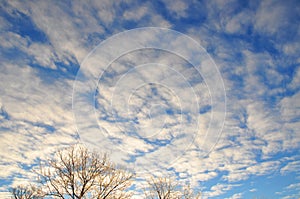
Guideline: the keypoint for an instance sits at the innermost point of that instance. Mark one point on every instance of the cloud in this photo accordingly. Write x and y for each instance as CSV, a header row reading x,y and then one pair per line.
x,y
272,17
290,108
254,45
219,189
290,191
33,119
237,196
290,167
294,85
177,8
136,14
239,23
295,186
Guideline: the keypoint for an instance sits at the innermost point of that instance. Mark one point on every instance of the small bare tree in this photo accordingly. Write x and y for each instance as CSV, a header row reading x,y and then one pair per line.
x,y
161,188
76,173
166,188
26,192
188,193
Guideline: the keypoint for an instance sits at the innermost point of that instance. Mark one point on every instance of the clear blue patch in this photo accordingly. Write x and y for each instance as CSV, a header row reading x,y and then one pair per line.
x,y
23,25
4,113
169,111
69,70
63,71
49,128
5,182
157,142
205,109
267,186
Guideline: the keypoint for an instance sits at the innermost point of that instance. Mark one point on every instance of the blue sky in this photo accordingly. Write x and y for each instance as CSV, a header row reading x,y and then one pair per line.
x,y
151,97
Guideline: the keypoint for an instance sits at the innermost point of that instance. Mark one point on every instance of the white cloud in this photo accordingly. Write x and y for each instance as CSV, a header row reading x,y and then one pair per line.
x,y
295,186
296,80
43,55
219,189
177,8
37,119
136,14
272,17
13,40
290,107
263,168
291,167
240,22
36,102
293,196
236,196
291,191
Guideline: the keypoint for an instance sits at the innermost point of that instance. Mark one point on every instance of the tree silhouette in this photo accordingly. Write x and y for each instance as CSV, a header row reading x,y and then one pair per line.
x,y
26,192
76,173
166,188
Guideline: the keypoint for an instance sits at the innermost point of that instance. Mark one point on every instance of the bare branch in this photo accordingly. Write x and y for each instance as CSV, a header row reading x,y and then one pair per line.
x,y
26,192
166,188
76,173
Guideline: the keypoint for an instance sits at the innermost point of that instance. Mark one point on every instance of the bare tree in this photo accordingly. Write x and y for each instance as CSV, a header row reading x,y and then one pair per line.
x,y
161,188
188,193
26,192
166,188
76,173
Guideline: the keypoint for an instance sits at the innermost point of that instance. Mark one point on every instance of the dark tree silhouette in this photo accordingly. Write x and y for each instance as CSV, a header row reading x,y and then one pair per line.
x,y
78,174
166,188
28,192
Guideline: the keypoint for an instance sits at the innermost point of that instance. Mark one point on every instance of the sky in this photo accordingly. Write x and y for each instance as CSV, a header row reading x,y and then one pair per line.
x,y
206,91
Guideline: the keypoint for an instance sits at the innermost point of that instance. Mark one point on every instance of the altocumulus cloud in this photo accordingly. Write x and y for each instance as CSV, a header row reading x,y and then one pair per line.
x,y
255,45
